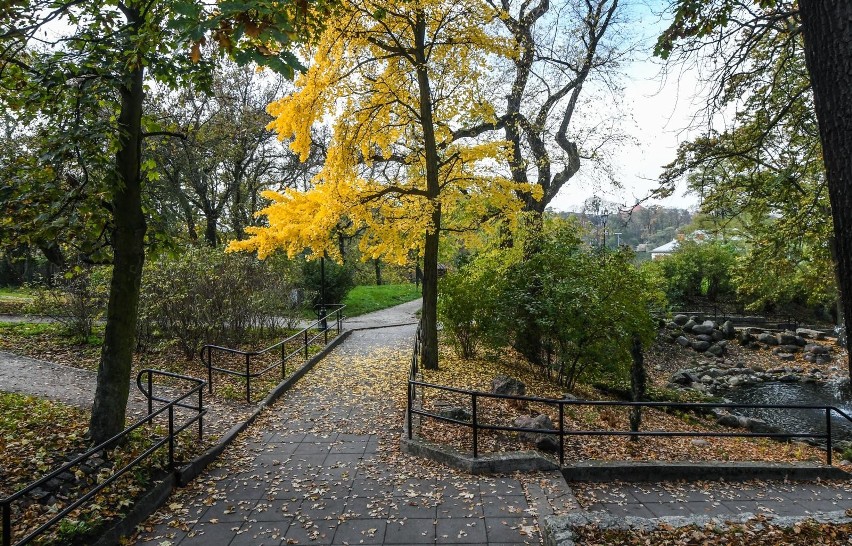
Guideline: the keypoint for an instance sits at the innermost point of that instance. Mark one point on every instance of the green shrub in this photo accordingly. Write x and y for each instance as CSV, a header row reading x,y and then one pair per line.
x,y
697,272
575,310
206,296
468,299
339,280
77,299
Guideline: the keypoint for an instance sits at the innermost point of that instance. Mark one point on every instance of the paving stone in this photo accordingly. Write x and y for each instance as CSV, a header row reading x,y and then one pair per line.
x,y
506,529
465,508
637,510
360,531
229,510
513,505
460,531
410,531
319,533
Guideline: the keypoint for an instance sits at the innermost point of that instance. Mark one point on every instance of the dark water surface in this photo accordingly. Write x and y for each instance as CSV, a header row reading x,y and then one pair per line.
x,y
804,394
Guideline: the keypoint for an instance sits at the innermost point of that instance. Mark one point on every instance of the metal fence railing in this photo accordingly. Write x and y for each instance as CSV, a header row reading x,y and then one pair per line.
x,y
416,402
476,425
253,364
168,439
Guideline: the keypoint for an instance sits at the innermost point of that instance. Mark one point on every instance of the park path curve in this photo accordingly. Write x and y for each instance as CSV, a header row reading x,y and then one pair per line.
x,y
323,466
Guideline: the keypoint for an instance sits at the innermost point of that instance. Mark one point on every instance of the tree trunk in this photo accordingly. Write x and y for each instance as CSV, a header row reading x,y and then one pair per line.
x,y
210,235
429,313
377,265
113,386
638,384
827,27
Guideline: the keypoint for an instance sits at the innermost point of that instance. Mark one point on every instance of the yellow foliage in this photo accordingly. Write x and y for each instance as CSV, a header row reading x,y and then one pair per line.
x,y
365,81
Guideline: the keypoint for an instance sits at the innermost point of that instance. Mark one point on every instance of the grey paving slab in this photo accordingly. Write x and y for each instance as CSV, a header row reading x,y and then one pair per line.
x,y
410,531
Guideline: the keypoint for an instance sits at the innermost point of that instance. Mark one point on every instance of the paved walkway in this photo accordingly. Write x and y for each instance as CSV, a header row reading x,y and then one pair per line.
x,y
323,467
716,499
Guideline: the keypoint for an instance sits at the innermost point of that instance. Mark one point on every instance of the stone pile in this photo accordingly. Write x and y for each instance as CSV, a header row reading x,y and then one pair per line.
x,y
714,378
703,336
706,336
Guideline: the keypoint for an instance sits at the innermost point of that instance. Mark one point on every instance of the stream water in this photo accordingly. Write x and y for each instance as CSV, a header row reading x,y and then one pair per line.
x,y
804,394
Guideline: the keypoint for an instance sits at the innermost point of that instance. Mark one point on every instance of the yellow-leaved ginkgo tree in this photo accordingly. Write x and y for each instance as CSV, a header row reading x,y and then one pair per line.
x,y
413,148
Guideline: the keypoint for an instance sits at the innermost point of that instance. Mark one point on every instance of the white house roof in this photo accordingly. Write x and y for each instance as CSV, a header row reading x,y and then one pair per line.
x,y
669,247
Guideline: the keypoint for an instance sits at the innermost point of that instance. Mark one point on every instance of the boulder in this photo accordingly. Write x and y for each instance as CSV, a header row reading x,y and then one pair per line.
x,y
718,335
789,348
544,442
768,339
728,421
454,412
810,334
680,320
683,341
503,384
787,338
700,346
683,378
705,328
746,338
787,356
716,349
816,349
704,337
728,329
690,324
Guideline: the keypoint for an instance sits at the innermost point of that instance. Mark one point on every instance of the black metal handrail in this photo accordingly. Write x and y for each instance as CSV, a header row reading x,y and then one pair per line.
x,y
303,336
173,431
476,426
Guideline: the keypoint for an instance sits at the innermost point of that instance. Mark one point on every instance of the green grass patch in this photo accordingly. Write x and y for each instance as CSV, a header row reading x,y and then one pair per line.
x,y
366,299
31,329
20,293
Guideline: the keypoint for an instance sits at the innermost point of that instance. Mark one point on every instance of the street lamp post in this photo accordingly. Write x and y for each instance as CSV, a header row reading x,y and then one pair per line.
x,y
604,217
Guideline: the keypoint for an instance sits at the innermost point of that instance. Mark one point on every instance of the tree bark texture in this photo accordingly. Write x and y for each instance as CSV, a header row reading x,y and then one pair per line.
x,y
827,27
429,313
113,384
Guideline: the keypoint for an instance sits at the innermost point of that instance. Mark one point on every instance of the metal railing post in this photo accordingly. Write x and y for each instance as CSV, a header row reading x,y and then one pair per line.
x,y
171,437
7,524
408,416
475,426
283,360
828,435
200,414
150,395
561,434
209,367
306,343
248,378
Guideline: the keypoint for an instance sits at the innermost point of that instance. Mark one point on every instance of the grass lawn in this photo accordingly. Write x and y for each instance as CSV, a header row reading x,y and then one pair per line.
x,y
16,300
365,299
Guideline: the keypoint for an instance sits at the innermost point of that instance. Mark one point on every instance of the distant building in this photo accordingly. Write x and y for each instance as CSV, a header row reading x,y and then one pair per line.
x,y
665,250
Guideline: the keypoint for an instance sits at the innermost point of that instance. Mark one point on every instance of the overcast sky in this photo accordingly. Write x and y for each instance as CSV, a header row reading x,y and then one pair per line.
x,y
660,110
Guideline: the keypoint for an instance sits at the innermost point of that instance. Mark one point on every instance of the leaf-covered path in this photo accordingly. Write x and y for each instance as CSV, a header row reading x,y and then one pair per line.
x,y
323,467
